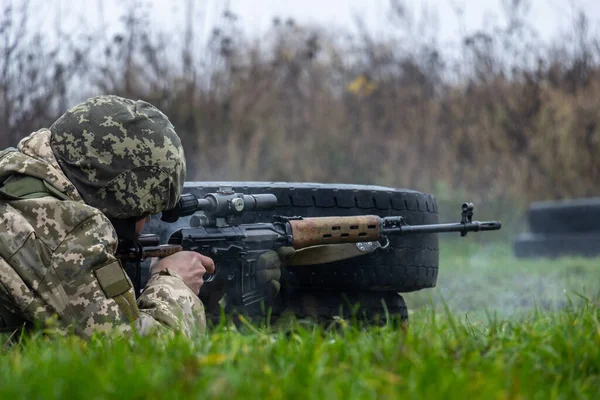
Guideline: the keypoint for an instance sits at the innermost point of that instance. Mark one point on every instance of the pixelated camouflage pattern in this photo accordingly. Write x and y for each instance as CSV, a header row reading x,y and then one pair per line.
x,y
49,249
123,156
163,295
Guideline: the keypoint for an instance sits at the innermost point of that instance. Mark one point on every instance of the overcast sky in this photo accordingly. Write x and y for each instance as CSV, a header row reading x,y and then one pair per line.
x,y
548,17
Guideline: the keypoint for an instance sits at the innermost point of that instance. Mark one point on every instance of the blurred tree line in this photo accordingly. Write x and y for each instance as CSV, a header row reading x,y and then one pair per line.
x,y
507,117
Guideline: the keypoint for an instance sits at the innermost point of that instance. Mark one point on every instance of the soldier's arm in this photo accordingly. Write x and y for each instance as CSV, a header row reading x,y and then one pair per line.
x,y
166,298
101,296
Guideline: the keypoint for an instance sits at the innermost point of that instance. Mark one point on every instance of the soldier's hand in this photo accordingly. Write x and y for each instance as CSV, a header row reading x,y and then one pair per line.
x,y
189,265
268,269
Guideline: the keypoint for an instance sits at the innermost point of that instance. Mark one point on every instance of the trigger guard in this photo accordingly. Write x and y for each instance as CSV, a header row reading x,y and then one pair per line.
x,y
386,244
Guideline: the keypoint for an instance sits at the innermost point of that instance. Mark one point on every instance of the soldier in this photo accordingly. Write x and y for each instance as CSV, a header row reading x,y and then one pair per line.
x,y
66,194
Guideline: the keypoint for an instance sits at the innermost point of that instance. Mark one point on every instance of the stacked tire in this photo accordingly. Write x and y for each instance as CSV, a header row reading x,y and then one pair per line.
x,y
367,285
561,228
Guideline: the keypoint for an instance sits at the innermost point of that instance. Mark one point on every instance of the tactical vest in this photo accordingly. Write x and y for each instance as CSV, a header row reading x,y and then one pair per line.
x,y
21,187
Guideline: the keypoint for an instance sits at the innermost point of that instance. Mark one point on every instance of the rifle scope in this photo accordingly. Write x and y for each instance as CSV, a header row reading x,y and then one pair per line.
x,y
219,205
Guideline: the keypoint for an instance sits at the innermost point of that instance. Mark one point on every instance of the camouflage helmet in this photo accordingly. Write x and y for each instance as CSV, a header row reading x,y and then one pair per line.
x,y
123,156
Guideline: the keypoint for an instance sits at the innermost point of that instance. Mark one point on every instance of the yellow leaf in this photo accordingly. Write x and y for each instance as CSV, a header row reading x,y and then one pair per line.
x,y
212,359
356,85
361,86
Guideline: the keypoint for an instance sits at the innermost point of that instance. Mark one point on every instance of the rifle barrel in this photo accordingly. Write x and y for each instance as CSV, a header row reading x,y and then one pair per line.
x,y
475,226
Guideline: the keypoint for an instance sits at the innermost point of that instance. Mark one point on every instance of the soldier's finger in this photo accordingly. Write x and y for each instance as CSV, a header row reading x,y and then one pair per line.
x,y
286,253
209,264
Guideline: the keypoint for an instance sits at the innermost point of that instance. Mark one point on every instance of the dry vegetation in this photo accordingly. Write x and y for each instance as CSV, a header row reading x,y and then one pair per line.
x,y
505,117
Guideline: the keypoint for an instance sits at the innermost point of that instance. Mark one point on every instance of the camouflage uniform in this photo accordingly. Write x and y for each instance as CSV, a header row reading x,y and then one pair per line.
x,y
108,157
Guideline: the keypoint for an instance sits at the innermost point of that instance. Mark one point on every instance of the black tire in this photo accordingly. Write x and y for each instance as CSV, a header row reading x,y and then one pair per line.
x,y
568,216
370,307
409,264
321,307
531,245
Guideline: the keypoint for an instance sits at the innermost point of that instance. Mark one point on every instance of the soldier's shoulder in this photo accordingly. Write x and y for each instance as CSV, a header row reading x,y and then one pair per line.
x,y
50,219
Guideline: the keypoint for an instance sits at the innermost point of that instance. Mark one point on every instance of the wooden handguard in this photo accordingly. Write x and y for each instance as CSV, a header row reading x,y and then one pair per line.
x,y
332,230
161,251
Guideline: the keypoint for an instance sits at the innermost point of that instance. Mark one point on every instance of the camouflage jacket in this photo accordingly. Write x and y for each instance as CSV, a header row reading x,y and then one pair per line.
x,y
57,260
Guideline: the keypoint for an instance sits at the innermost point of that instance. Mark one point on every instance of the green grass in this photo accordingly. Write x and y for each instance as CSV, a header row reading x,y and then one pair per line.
x,y
495,327
479,278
